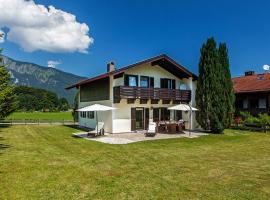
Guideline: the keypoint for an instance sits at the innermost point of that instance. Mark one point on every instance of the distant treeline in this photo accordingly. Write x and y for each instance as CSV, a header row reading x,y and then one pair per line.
x,y
34,99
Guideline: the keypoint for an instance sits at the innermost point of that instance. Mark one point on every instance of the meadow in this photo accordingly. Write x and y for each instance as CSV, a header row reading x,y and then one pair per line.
x,y
46,162
41,115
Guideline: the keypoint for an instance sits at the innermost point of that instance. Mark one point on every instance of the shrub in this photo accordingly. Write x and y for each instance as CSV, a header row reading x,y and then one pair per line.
x,y
264,119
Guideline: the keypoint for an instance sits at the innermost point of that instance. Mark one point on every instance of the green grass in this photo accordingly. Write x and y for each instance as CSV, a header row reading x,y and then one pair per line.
x,y
42,115
46,162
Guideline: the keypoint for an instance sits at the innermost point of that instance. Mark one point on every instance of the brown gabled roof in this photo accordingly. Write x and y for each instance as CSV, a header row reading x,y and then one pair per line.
x,y
252,83
163,60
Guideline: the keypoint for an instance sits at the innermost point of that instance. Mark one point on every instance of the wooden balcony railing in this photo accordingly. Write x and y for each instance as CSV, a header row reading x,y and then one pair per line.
x,y
126,92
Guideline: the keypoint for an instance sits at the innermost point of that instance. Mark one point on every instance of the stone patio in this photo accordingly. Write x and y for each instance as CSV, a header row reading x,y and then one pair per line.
x,y
126,138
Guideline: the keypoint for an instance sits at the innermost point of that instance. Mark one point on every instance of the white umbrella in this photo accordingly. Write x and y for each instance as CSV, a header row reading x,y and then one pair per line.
x,y
96,107
185,107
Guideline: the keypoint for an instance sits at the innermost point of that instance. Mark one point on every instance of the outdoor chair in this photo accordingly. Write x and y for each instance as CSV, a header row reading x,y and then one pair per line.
x,y
99,130
151,132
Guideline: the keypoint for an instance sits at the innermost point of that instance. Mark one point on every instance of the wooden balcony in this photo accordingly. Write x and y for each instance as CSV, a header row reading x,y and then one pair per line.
x,y
126,92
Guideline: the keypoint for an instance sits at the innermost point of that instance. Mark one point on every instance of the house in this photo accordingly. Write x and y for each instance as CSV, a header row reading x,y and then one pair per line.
x,y
141,92
252,93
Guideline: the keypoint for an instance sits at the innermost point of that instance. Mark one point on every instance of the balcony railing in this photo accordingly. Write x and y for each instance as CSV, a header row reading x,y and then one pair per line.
x,y
126,92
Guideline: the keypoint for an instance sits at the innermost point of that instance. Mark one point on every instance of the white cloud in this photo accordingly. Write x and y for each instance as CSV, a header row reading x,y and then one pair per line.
x,y
2,36
36,27
53,64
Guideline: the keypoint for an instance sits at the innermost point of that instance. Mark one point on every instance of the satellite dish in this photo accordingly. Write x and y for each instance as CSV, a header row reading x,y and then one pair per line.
x,y
266,67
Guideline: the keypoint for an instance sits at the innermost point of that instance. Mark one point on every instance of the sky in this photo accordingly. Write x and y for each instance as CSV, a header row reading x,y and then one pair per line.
x,y
82,36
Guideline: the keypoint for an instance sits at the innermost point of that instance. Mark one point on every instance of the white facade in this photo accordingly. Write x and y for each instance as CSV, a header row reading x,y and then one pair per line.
x,y
119,120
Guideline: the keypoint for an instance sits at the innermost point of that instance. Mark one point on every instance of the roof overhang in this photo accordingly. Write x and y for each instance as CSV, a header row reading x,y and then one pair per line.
x,y
163,61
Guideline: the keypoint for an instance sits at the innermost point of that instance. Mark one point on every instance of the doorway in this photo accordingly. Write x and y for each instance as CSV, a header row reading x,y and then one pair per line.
x,y
139,118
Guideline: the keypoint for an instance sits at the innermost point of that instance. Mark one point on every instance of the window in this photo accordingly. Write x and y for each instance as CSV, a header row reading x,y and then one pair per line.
x,y
131,80
144,81
262,103
245,103
90,115
83,114
167,83
183,86
164,114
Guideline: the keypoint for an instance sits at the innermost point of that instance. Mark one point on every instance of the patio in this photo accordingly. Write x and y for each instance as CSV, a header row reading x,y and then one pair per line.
x,y
126,138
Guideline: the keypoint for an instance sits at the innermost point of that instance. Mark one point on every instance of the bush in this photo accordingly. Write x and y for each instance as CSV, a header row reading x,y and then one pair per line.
x,y
252,120
245,115
264,119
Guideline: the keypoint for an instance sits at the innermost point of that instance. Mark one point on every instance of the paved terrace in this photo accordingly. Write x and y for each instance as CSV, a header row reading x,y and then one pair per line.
x,y
125,138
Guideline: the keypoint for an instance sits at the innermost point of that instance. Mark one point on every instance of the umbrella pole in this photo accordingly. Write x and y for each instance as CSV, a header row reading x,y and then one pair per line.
x,y
190,110
97,121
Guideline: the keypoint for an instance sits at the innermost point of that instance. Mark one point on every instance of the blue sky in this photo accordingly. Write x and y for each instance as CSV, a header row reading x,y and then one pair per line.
x,y
130,31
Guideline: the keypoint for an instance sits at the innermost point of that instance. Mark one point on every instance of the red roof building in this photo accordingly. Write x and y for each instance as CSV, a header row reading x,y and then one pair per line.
x,y
252,93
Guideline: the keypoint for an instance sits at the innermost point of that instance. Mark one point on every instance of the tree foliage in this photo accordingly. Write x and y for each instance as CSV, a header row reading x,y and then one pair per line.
x,y
35,99
228,84
7,97
75,107
214,88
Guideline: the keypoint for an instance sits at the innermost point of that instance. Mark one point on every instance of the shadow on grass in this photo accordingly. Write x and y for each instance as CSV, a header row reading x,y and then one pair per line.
x,y
2,145
77,127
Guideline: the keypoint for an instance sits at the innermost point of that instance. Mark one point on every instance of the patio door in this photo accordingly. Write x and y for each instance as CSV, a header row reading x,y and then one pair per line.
x,y
139,118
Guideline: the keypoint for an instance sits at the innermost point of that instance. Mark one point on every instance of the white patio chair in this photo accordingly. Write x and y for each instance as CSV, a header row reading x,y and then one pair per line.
x,y
151,132
99,130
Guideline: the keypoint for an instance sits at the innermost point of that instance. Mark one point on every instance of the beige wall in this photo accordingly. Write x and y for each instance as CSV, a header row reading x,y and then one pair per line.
x,y
153,71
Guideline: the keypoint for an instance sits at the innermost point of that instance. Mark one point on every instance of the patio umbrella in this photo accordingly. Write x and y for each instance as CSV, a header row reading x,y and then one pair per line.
x,y
185,107
95,108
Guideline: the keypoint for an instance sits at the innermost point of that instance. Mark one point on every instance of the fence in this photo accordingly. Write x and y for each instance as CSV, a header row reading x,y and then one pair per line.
x,y
12,121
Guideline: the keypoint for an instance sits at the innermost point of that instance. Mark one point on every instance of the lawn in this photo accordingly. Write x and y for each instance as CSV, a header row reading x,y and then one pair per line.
x,y
42,115
46,162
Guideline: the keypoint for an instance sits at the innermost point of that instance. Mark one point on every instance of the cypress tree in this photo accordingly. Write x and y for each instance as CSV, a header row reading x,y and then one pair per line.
x,y
204,84
228,84
7,97
210,89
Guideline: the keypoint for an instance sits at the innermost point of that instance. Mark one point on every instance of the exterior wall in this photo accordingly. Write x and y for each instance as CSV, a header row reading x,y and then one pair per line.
x,y
153,71
119,120
246,102
105,116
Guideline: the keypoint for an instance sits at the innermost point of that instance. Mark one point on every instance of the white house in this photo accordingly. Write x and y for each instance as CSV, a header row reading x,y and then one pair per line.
x,y
141,92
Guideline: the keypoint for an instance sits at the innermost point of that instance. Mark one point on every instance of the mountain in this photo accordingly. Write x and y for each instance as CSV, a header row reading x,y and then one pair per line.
x,y
33,75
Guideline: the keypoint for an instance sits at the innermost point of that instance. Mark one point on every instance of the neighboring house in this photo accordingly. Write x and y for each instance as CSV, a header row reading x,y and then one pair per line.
x,y
141,92
252,93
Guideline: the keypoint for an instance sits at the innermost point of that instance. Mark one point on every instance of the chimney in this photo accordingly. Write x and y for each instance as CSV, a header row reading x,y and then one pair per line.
x,y
110,67
249,73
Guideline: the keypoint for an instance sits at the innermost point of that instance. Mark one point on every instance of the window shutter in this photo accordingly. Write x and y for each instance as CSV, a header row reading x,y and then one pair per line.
x,y
151,85
162,85
146,118
126,80
137,81
173,84
133,119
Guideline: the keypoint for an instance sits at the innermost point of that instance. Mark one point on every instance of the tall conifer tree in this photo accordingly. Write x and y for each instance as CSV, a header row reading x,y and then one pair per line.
x,y
214,83
7,97
228,85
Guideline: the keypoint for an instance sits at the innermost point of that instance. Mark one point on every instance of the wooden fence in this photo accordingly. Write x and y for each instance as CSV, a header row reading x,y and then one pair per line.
x,y
12,121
